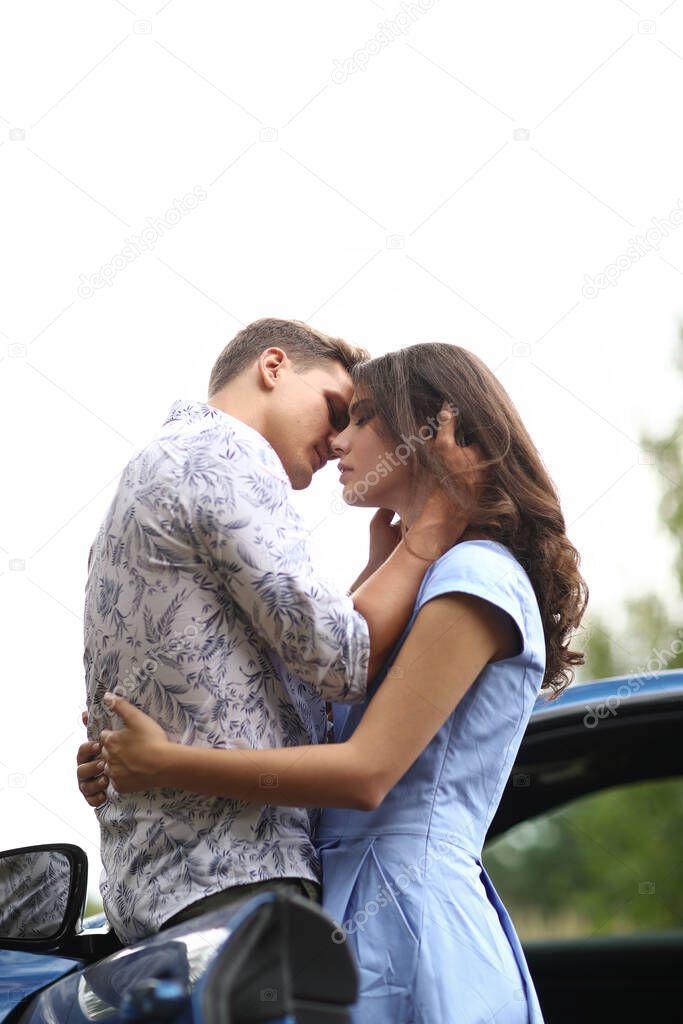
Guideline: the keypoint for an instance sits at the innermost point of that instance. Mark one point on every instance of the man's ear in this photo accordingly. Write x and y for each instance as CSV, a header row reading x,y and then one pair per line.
x,y
270,365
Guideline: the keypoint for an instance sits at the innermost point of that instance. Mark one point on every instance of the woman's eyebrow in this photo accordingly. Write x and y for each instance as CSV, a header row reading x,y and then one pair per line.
x,y
360,404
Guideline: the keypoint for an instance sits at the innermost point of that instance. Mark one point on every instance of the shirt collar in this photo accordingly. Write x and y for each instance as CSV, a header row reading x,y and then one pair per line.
x,y
190,411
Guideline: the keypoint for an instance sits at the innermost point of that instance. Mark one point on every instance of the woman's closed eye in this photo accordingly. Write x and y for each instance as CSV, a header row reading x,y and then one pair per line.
x,y
362,411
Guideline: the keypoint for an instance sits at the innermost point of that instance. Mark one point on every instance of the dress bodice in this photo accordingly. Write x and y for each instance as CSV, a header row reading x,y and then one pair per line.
x,y
456,784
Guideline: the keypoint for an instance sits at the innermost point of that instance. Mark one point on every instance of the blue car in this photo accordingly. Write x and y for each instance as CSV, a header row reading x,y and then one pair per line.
x,y
279,959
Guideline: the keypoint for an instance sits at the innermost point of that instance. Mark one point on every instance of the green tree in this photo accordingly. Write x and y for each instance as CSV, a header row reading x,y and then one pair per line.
x,y
587,868
650,624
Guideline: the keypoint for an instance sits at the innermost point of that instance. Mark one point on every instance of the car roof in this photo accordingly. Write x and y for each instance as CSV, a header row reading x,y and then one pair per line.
x,y
636,688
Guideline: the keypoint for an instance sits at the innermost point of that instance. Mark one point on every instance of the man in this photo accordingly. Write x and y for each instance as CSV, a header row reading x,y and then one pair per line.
x,y
203,608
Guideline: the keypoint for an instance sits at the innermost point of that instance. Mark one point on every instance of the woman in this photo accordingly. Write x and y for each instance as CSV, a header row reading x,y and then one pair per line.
x,y
415,777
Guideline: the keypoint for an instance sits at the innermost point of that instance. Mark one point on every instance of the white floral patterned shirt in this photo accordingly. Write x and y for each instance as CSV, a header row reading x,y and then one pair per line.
x,y
203,609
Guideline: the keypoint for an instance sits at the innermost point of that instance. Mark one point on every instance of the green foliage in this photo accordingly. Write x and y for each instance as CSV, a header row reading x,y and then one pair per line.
x,y
610,862
650,626
601,661
93,905
668,454
649,634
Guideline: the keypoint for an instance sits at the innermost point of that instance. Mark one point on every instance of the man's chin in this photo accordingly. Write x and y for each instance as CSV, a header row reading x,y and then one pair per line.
x,y
300,477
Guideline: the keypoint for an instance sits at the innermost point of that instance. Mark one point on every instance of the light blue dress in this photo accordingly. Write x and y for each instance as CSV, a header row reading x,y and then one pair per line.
x,y
432,938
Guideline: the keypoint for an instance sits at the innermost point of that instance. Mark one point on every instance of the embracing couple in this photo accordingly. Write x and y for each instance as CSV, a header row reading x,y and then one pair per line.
x,y
232,690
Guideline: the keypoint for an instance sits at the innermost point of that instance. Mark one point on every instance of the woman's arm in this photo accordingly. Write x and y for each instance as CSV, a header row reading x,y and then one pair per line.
x,y
453,638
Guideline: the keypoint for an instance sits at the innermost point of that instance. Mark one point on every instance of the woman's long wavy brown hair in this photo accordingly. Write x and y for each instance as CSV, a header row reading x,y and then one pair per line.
x,y
517,503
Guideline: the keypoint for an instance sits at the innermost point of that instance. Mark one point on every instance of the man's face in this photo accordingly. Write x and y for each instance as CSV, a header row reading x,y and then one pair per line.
x,y
312,408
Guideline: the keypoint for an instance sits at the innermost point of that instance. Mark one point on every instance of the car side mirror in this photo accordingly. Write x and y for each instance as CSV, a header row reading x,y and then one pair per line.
x,y
42,895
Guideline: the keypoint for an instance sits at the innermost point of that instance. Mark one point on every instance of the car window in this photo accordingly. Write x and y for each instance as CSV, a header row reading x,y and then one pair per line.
x,y
607,863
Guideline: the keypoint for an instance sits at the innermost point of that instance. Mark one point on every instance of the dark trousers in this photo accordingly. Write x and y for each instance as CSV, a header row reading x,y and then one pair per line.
x,y
295,886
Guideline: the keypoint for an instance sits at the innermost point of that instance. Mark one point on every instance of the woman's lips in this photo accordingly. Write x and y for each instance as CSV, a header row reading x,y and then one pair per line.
x,y
343,470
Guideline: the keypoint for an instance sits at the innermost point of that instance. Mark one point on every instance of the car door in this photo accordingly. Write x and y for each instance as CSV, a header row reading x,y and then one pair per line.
x,y
585,851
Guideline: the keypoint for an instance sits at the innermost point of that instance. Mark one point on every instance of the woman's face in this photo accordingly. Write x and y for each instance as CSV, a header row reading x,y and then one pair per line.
x,y
373,470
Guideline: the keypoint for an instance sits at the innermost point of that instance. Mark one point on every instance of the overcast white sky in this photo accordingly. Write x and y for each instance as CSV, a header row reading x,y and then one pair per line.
x,y
391,172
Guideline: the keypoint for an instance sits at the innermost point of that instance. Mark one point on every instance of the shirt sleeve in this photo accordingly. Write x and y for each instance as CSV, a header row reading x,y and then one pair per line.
x,y
253,541
483,570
